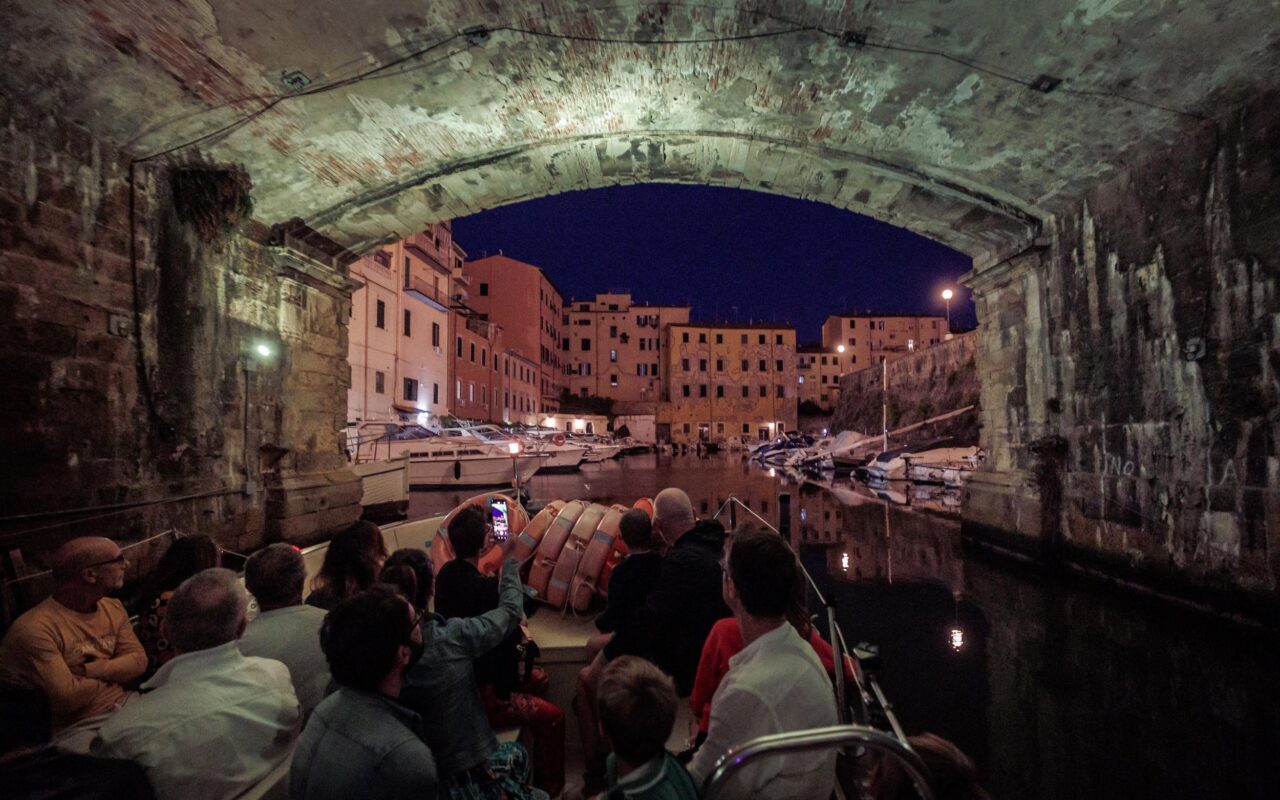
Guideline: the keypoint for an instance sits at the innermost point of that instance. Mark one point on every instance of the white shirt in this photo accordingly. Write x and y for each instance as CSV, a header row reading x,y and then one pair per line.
x,y
776,684
208,726
292,635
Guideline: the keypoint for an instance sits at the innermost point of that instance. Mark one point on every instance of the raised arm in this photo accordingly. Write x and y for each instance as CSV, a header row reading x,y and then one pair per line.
x,y
478,635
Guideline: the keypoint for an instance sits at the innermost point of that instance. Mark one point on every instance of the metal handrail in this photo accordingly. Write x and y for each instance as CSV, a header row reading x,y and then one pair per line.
x,y
814,739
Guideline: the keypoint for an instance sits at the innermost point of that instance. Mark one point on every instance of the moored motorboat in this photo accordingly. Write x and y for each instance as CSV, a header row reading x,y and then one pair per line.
x,y
439,461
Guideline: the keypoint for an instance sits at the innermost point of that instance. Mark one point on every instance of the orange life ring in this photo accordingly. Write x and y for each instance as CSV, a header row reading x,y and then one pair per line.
x,y
553,541
491,559
571,554
527,542
645,505
583,587
558,439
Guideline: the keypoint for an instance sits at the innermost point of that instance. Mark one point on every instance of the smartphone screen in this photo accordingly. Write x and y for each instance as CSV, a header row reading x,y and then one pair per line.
x,y
501,527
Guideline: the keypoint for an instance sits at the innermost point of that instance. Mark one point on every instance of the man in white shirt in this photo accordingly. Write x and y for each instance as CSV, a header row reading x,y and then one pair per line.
x,y
285,629
210,723
774,685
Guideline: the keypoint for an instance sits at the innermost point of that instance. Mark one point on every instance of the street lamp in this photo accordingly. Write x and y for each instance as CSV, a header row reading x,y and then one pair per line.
x,y
839,348
947,294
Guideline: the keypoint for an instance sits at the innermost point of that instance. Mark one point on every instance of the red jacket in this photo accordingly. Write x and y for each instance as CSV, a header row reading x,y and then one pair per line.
x,y
723,643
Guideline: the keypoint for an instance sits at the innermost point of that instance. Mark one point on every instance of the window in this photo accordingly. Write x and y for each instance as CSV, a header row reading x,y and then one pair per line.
x,y
702,365
852,341
702,390
686,427
746,427
379,382
719,338
435,334
613,306
719,391
471,391
564,344
484,290
881,325
642,341
473,352
800,380
744,365
744,391
744,338
777,339
459,353
685,390
381,319
719,427
613,355
853,359
835,361
764,391
642,369
778,365
564,319
824,378
408,323
613,331
763,366
853,323
613,380
586,345
684,365
684,337
383,258
702,338
484,396
824,361
584,306
719,365
781,393
484,357
459,390
653,368
762,338
410,390
435,393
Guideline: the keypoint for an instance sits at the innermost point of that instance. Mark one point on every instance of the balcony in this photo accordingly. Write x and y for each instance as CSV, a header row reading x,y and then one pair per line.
x,y
421,289
480,326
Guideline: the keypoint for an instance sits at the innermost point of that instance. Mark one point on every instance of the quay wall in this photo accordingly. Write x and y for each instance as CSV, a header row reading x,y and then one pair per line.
x,y
925,384
1129,367
132,400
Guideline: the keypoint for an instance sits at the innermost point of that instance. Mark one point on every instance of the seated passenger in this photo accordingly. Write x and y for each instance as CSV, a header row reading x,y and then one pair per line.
x,y
210,723
441,685
360,742
774,685
185,557
637,705
31,767
77,646
725,641
629,587
951,773
686,601
351,564
286,629
461,592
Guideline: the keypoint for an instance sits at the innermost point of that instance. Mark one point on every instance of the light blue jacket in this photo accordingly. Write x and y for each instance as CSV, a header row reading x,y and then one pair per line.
x,y
441,686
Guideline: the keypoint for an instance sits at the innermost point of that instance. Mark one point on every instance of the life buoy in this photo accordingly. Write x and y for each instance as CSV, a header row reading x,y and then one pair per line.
x,y
558,440
551,545
571,554
616,554
582,590
645,505
527,542
491,559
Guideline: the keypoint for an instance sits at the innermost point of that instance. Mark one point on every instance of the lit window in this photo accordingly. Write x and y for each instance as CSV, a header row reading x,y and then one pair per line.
x,y
613,380
613,355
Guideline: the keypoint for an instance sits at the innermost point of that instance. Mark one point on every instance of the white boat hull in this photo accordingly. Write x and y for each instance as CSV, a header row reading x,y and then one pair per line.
x,y
470,471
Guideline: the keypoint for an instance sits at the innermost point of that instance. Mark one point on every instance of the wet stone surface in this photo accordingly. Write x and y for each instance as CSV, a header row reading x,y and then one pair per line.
x,y
1061,689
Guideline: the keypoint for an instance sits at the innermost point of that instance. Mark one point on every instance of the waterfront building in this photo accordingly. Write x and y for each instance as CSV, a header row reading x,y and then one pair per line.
x,y
870,339
818,372
727,380
522,299
612,347
398,327
476,355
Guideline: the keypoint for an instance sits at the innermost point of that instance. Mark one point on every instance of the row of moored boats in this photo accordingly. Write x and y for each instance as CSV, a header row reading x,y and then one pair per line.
x,y
948,462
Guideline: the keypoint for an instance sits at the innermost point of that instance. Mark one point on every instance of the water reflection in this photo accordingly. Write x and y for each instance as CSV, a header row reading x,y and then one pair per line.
x,y
1059,690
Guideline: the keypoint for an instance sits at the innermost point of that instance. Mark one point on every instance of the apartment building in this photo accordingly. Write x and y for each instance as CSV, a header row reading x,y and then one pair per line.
x,y
398,329
612,347
869,339
526,303
818,374
727,380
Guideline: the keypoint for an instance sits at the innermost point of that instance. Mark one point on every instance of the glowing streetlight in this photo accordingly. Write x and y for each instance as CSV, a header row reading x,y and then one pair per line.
x,y
263,350
513,448
957,639
947,294
839,348
844,561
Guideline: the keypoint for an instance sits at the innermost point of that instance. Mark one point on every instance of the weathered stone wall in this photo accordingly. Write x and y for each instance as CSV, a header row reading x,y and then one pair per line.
x,y
922,385
98,440
1130,394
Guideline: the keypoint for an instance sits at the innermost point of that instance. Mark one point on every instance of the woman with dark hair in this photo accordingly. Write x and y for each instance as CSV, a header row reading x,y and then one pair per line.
x,y
351,565
184,558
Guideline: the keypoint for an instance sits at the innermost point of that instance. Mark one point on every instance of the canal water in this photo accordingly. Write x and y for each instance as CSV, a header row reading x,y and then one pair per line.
x,y
1060,689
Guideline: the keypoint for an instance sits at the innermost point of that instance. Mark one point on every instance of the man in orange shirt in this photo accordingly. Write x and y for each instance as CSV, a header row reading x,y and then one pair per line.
x,y
77,646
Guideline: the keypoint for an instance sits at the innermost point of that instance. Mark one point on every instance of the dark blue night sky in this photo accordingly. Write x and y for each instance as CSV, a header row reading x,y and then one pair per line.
x,y
734,255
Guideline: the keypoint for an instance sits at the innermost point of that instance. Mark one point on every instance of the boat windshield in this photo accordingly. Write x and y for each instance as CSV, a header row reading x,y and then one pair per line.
x,y
408,433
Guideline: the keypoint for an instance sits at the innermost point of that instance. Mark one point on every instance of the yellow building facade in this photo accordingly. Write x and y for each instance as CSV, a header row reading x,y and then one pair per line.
x,y
869,339
818,375
727,381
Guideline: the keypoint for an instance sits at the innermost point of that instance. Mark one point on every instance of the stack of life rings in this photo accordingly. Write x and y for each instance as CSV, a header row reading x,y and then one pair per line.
x,y
570,548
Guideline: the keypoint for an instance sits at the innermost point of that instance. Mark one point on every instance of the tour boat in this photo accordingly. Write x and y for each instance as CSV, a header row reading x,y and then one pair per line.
x,y
439,461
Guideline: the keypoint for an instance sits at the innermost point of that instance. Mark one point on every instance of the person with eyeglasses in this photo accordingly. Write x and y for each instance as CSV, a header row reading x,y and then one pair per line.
x,y
77,645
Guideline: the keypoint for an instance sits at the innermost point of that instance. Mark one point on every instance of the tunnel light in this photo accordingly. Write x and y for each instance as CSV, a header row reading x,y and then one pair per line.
x,y
956,637
263,350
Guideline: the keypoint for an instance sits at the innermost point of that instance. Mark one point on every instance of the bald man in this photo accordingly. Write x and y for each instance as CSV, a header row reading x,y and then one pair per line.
x,y
77,646
686,601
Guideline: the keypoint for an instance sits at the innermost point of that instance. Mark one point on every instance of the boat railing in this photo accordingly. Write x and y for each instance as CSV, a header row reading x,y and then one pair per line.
x,y
868,702
833,737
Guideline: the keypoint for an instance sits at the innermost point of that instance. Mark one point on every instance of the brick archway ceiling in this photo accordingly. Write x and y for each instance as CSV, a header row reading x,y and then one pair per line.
x,y
929,123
